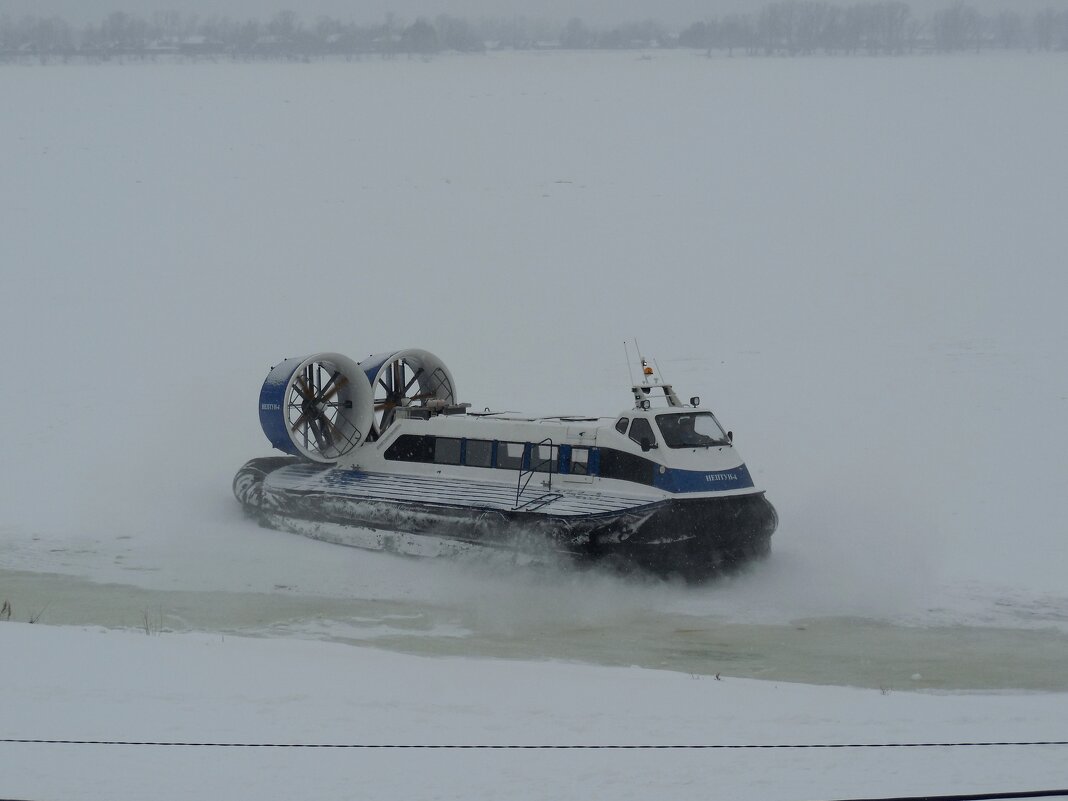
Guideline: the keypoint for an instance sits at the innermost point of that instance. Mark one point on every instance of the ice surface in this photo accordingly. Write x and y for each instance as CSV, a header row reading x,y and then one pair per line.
x,y
857,266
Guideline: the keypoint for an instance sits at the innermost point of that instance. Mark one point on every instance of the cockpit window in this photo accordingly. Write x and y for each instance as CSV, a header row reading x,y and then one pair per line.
x,y
640,431
691,430
621,425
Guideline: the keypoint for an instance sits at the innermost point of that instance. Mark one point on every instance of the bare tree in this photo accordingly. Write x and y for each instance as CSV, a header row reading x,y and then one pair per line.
x,y
889,20
456,34
284,24
853,27
737,31
810,21
419,37
957,28
1008,29
576,36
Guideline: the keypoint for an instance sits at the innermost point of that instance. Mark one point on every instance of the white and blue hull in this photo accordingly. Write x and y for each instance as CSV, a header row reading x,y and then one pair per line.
x,y
695,538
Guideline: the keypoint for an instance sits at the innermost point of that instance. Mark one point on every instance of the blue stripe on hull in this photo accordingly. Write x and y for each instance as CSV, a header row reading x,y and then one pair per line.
x,y
673,480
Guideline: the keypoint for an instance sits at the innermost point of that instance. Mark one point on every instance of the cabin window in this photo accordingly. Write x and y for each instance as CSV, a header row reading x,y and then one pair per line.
x,y
479,453
621,425
580,461
640,429
691,430
411,448
510,455
543,458
446,450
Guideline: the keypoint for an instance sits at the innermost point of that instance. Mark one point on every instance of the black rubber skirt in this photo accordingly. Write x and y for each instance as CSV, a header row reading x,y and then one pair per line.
x,y
694,539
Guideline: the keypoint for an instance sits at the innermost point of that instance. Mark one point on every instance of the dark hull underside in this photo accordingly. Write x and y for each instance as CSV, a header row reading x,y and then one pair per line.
x,y
692,538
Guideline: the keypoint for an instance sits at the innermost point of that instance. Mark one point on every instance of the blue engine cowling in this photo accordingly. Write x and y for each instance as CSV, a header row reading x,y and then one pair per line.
x,y
318,407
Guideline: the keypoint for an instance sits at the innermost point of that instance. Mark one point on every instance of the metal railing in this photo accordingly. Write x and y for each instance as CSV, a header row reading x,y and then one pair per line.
x,y
523,479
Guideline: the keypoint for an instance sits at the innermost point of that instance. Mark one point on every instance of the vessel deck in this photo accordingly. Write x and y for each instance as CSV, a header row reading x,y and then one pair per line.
x,y
561,500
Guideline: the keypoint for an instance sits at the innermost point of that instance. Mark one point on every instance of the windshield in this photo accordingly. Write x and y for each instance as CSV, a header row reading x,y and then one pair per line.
x,y
691,430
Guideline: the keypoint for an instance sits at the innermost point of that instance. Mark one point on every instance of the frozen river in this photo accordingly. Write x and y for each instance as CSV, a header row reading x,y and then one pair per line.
x,y
857,263
843,650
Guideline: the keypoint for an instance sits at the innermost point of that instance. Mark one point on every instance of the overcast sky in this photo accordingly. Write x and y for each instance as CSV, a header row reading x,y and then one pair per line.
x,y
671,12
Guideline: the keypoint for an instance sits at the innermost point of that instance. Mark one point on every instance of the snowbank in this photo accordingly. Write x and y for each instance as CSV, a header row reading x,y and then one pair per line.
x,y
104,685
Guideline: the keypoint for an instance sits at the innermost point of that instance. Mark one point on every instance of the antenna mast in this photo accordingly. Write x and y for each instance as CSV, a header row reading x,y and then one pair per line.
x,y
647,371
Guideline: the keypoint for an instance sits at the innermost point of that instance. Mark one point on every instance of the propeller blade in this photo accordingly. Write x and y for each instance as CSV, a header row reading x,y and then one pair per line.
x,y
415,378
330,429
308,407
318,400
325,396
313,425
305,417
328,384
302,387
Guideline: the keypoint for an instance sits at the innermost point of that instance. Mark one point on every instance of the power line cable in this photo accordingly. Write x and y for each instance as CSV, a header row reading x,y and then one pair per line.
x,y
957,797
539,746
969,796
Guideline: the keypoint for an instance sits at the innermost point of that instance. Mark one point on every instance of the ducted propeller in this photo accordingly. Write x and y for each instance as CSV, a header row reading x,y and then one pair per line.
x,y
319,407
406,378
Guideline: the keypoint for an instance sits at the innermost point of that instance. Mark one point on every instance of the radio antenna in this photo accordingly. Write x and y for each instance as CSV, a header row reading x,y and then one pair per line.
x,y
626,355
645,364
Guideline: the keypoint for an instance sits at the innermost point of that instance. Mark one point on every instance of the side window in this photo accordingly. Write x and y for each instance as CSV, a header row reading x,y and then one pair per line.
x,y
640,429
580,461
543,458
411,448
479,453
621,425
510,455
447,450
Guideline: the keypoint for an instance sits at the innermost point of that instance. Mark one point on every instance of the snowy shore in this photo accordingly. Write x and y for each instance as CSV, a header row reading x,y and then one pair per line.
x,y
91,684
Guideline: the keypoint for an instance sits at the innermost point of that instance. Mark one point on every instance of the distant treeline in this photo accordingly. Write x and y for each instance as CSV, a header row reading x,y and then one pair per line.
x,y
789,27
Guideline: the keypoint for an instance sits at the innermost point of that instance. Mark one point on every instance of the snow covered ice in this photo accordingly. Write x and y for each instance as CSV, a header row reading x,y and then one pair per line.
x,y
856,262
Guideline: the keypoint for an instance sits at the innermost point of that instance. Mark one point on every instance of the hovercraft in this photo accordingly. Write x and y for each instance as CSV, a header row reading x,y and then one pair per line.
x,y
380,454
